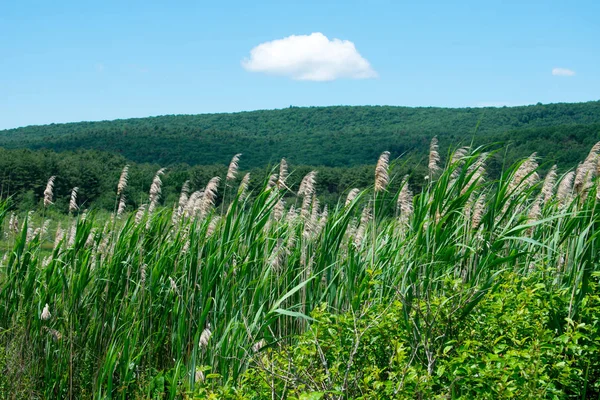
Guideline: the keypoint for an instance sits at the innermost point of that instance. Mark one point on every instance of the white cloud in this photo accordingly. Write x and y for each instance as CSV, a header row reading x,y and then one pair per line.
x,y
562,72
309,57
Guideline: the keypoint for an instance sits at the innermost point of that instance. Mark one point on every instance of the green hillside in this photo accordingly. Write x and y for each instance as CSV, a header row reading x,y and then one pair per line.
x,y
328,136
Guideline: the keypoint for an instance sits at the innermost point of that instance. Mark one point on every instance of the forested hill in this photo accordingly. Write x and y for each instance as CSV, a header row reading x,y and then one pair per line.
x,y
329,136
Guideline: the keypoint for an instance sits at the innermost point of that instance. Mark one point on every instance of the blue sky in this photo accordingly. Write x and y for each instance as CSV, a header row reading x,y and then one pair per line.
x,y
69,61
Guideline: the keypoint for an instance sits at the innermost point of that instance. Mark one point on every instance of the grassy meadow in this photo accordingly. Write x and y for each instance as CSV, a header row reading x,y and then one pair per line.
x,y
470,288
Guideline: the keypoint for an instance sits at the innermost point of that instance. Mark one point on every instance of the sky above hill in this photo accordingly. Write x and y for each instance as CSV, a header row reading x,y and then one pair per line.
x,y
68,61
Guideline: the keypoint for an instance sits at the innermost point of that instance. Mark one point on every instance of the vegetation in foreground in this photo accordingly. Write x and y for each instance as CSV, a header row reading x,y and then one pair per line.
x,y
471,288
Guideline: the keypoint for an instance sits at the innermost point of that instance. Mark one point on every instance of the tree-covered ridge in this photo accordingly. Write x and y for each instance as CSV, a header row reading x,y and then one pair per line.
x,y
329,136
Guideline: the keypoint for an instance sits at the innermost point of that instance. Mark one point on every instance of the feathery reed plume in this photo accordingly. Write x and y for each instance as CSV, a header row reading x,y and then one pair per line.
x,y
122,206
525,175
351,196
548,185
459,154
475,172
233,168
273,179
183,200
381,172
307,185
256,347
72,234
586,171
305,209
210,195
212,226
278,210
143,269
73,202
565,188
205,337
60,234
243,189
89,242
46,315
184,196
434,157
283,173
123,180
139,215
291,215
49,191
362,227
535,212
405,200
478,210
457,160
193,204
155,190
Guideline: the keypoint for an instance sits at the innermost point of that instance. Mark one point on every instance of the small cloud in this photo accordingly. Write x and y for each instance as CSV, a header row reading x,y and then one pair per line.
x,y
311,57
562,72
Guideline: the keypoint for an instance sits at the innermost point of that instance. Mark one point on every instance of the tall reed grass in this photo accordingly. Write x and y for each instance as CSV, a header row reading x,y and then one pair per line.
x,y
185,295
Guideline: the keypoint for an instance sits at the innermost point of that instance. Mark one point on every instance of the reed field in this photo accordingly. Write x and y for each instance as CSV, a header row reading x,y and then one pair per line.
x,y
473,287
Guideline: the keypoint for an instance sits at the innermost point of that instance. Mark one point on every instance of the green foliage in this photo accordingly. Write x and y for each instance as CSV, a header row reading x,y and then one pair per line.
x,y
325,136
505,349
471,288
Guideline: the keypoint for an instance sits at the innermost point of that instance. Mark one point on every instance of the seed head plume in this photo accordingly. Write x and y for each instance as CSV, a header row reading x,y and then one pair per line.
x,y
212,226
459,154
362,227
60,234
457,161
46,315
525,175
351,196
210,195
139,215
205,337
73,202
535,212
184,196
475,172
382,177
122,206
283,173
548,186
565,188
478,210
243,189
123,180
586,171
273,179
307,185
155,190
193,204
49,191
434,157
278,210
405,200
233,167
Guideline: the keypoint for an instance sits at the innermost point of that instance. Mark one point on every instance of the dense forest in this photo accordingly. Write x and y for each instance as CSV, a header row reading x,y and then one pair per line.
x,y
327,136
341,143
